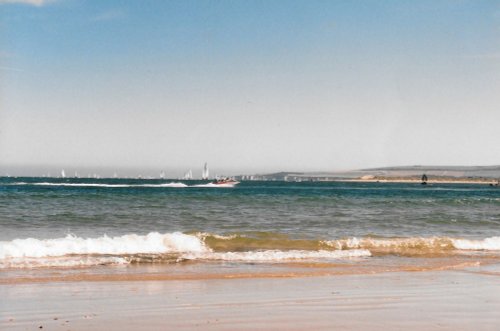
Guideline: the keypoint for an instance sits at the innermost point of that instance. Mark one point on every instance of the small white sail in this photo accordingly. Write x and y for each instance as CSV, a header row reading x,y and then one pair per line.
x,y
205,173
188,175
63,174
162,175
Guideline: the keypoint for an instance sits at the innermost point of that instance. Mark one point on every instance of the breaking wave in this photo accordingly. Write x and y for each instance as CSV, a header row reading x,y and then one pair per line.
x,y
72,251
153,242
419,245
154,247
488,244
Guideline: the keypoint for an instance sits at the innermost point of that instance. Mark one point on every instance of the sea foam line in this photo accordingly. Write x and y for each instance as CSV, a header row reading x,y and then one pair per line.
x,y
276,255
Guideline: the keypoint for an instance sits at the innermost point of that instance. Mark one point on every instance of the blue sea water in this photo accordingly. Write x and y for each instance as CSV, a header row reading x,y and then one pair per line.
x,y
261,215
44,208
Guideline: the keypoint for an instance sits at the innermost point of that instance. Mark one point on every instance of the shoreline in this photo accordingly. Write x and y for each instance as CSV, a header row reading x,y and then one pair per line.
x,y
201,272
419,181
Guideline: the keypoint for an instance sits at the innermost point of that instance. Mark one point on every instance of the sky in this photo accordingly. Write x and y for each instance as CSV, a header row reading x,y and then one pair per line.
x,y
248,86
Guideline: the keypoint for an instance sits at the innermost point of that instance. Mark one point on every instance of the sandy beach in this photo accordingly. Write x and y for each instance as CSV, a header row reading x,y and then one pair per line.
x,y
467,299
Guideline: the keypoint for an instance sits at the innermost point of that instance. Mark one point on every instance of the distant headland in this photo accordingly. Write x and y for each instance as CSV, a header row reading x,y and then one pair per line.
x,y
403,174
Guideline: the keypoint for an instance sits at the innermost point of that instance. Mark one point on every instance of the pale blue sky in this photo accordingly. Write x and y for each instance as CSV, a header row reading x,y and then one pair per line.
x,y
249,86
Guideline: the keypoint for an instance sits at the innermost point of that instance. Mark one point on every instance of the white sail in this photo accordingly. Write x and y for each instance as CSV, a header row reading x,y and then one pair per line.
x,y
188,175
162,174
205,173
63,174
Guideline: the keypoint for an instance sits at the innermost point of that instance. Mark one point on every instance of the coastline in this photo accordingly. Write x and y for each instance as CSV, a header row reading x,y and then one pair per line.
x,y
480,181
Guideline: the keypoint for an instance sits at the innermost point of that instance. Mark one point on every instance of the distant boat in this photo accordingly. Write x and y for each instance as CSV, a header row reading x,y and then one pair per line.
x,y
204,174
424,179
188,175
225,182
162,175
63,174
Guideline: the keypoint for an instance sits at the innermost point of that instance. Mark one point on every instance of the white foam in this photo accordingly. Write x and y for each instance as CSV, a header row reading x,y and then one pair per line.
x,y
276,255
81,184
394,243
64,261
153,242
215,185
172,184
169,185
488,244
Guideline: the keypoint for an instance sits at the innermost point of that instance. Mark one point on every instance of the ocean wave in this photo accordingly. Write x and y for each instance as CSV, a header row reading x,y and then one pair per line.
x,y
488,244
400,246
128,244
416,245
72,251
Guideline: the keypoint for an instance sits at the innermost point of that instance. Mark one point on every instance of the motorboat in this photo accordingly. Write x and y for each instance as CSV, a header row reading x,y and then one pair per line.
x,y
225,182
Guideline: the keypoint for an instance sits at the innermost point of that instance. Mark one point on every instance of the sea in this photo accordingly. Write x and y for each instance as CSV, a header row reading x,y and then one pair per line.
x,y
83,225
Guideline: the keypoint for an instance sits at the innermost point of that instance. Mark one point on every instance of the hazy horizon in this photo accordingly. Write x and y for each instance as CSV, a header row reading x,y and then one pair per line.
x,y
172,173
249,87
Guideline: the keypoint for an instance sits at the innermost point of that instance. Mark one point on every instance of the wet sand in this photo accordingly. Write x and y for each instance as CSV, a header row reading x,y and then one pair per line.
x,y
456,299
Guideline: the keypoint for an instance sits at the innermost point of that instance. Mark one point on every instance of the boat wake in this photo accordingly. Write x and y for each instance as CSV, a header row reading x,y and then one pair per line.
x,y
104,185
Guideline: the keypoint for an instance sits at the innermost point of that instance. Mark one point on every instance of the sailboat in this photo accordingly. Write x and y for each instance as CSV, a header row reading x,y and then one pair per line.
x,y
424,180
63,174
162,175
188,175
204,174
